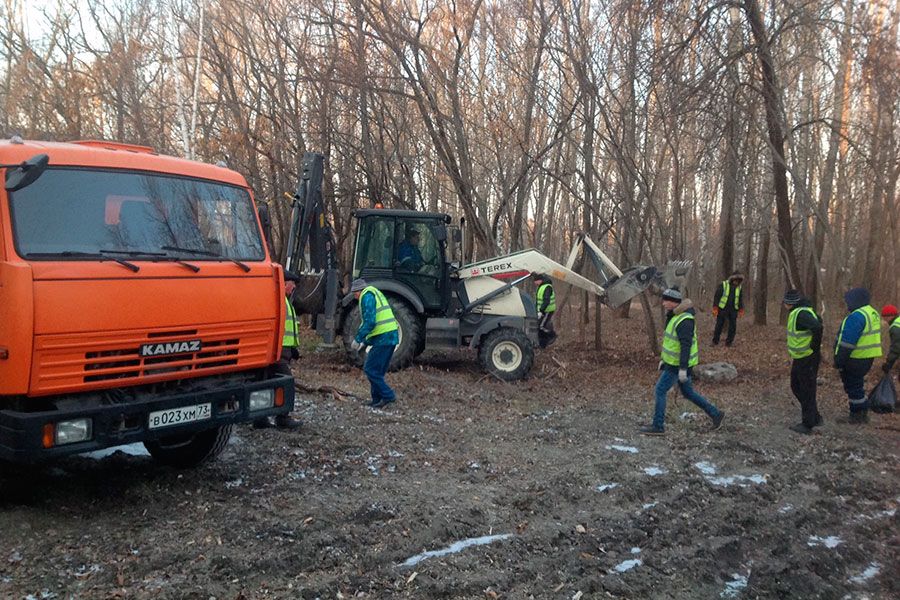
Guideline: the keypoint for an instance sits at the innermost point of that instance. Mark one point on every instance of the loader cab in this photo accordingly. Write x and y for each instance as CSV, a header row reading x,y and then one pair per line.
x,y
409,247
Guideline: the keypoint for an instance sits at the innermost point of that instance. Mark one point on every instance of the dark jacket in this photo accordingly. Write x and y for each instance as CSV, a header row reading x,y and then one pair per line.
x,y
729,306
684,331
853,327
813,324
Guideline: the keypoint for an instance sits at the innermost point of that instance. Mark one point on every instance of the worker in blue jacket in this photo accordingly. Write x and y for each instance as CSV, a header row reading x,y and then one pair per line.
x,y
378,330
858,344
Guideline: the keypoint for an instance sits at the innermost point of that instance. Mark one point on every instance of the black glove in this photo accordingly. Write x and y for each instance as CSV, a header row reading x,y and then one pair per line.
x,y
841,358
295,354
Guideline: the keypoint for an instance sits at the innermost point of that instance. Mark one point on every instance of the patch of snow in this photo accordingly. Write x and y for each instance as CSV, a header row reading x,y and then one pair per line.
x,y
627,565
734,587
635,550
832,541
606,486
786,508
688,416
236,483
649,505
653,471
871,571
628,449
454,548
706,468
737,480
135,449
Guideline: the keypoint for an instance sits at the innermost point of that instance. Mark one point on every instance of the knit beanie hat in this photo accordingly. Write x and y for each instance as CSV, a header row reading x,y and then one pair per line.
x,y
792,297
358,285
889,310
673,295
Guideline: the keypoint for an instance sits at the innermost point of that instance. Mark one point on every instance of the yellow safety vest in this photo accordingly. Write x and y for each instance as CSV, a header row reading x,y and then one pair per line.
x,y
543,291
869,343
896,323
671,348
799,340
726,290
290,326
384,316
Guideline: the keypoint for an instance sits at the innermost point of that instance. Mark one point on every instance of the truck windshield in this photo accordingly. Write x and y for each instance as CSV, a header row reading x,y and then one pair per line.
x,y
84,213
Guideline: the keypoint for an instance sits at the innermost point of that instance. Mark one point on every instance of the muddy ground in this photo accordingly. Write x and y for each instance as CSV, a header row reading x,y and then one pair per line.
x,y
592,509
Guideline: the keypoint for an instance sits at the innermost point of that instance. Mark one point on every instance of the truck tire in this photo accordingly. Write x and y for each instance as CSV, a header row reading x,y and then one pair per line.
x,y
411,336
189,449
506,353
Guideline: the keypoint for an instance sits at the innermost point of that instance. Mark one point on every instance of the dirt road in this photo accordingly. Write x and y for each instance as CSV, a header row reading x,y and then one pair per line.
x,y
553,464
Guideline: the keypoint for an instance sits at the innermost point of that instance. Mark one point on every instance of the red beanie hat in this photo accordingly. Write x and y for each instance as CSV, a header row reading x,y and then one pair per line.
x,y
889,310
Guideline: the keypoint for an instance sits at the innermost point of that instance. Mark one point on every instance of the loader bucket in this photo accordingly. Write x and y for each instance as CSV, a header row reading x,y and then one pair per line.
x,y
632,282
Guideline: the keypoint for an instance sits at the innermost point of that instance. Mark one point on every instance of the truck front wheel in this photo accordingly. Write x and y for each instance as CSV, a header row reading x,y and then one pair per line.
x,y
506,353
189,449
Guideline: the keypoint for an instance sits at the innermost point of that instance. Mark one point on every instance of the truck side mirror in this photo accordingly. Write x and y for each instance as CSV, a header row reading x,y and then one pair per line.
x,y
265,220
440,232
26,173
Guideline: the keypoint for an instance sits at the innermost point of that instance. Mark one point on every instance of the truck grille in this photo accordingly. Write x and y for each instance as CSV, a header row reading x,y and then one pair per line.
x,y
111,360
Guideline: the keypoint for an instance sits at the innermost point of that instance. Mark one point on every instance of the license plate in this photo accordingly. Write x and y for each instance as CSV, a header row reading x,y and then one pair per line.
x,y
177,416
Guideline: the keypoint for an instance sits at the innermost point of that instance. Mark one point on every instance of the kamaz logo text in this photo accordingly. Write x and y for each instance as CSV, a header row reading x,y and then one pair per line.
x,y
165,348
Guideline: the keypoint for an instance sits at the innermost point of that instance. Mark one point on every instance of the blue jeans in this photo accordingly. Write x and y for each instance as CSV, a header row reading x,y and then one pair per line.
x,y
668,378
377,361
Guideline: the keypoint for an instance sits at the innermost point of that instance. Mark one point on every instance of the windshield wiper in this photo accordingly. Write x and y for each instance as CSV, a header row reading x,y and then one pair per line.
x,y
76,254
154,255
210,253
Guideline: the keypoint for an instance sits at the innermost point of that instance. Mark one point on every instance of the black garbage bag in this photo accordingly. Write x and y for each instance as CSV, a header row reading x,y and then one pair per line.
x,y
883,399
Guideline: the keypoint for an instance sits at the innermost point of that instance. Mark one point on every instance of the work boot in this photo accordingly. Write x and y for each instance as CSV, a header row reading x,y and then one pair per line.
x,y
651,430
287,422
717,420
383,403
819,421
801,428
263,423
859,417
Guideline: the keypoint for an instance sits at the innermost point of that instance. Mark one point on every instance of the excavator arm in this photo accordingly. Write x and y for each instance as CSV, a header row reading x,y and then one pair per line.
x,y
617,287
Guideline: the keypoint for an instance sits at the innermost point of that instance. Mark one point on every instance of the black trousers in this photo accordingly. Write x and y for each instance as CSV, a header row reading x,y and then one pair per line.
x,y
804,372
731,317
546,333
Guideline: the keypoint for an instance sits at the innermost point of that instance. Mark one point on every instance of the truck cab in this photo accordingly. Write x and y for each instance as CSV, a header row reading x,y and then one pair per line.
x,y
138,303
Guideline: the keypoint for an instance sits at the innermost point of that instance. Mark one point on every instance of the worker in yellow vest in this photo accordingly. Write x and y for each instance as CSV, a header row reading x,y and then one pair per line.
x,y
378,330
804,344
290,350
858,344
545,304
679,356
728,305
892,320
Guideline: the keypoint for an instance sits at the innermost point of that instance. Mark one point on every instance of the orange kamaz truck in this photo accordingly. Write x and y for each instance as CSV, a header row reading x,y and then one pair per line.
x,y
138,303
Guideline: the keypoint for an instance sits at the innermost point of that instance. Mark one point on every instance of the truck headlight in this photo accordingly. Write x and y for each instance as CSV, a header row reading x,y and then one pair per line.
x,y
70,432
262,399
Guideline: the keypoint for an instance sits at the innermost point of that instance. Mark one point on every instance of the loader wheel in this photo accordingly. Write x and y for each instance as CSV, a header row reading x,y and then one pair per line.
x,y
189,449
506,353
410,333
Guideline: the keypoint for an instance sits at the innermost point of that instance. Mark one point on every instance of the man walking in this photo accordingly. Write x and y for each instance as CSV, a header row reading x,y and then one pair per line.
x,y
804,344
545,303
679,356
889,314
289,351
728,305
378,330
858,344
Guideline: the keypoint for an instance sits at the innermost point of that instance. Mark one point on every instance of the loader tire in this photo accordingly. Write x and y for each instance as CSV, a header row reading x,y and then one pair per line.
x,y
411,335
506,353
189,449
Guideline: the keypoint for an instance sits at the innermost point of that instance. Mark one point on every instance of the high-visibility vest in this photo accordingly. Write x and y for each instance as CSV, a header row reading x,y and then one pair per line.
x,y
542,291
799,340
895,324
869,343
671,348
726,290
290,326
384,316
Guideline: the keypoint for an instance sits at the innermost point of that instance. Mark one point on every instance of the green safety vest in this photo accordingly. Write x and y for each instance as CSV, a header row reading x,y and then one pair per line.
x,y
541,293
799,340
671,348
869,343
896,323
290,326
726,290
384,316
